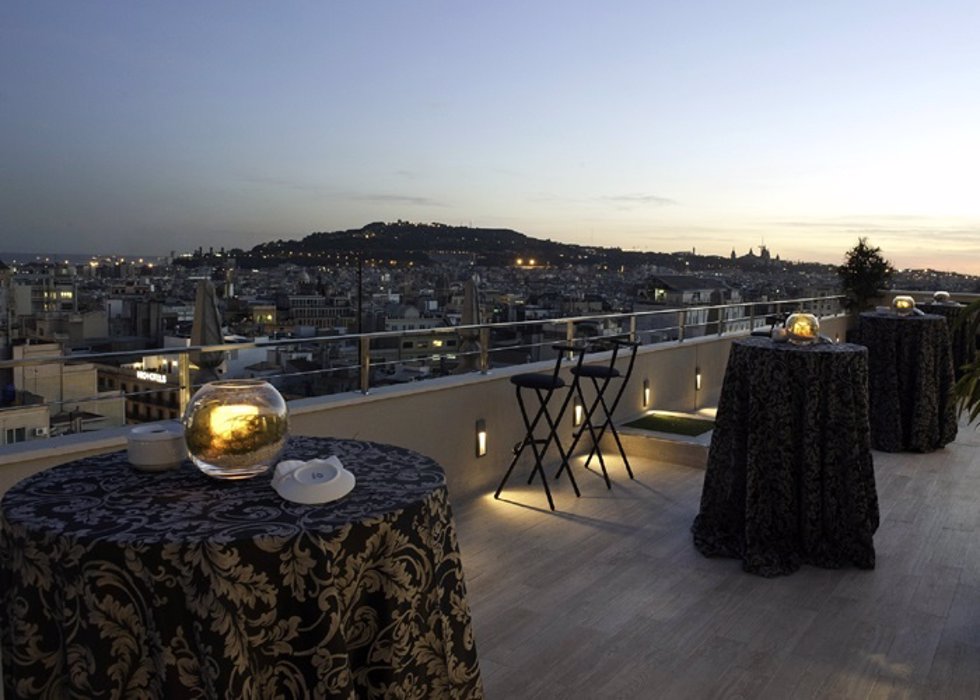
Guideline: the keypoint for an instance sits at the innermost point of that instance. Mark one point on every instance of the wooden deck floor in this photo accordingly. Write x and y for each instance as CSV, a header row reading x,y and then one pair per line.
x,y
607,597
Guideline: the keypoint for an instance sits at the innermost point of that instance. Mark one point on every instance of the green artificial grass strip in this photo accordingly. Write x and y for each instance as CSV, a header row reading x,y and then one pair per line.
x,y
678,425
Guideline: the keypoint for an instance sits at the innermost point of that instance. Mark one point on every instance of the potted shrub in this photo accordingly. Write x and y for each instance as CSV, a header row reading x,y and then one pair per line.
x,y
967,389
864,272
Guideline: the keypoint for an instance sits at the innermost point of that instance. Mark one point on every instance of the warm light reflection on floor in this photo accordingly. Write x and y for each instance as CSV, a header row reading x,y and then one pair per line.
x,y
530,498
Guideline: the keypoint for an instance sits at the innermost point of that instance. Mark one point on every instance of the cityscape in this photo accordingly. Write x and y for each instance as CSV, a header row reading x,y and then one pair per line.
x,y
575,350
309,300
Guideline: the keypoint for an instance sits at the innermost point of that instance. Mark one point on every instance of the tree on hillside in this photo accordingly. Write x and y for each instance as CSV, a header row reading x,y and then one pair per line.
x,y
864,272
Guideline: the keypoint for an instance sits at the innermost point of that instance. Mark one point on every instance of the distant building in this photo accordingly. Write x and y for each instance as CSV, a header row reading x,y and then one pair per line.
x,y
264,316
55,398
687,290
71,329
408,318
320,311
151,392
676,293
34,294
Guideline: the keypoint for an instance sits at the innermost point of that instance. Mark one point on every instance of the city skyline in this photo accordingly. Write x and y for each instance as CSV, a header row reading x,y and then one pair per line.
x,y
145,129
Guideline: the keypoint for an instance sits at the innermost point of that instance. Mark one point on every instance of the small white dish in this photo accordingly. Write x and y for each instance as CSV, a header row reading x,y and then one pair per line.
x,y
315,481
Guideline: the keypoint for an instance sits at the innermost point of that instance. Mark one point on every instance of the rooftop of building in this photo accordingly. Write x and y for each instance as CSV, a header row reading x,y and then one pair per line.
x,y
607,597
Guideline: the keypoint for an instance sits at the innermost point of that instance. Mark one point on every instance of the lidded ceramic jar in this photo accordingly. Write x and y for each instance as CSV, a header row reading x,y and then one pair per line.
x,y
155,447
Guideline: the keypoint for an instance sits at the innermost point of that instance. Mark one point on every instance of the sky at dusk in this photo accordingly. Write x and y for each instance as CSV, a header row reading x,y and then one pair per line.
x,y
148,127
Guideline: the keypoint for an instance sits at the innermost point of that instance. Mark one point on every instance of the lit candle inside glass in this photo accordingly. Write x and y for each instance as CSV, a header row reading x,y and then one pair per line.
x,y
226,421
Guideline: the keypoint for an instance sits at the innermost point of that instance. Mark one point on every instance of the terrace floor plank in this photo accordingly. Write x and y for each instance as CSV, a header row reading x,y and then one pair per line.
x,y
607,597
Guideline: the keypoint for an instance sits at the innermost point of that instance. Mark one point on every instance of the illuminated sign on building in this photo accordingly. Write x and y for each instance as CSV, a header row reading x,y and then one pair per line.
x,y
151,376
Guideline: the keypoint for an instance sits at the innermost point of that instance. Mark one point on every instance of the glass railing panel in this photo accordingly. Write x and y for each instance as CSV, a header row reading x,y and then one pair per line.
x,y
153,384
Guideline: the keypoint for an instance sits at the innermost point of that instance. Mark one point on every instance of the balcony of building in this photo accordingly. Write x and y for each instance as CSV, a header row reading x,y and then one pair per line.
x,y
607,597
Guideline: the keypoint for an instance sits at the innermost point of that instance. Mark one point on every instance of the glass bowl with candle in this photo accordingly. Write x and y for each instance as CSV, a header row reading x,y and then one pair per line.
x,y
802,329
236,428
903,305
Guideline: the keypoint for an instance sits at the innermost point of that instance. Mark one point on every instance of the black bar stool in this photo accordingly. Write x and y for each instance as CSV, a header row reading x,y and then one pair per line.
x,y
595,425
544,386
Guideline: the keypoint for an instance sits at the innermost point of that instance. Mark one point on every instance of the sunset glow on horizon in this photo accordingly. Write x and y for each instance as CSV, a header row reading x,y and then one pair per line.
x,y
156,127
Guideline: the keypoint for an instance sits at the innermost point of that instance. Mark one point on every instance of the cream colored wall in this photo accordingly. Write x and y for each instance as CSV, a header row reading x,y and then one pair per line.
x,y
110,405
30,417
37,379
438,417
80,381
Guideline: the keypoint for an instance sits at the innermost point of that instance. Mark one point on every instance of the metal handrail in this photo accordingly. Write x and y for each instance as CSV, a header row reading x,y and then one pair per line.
x,y
448,330
483,330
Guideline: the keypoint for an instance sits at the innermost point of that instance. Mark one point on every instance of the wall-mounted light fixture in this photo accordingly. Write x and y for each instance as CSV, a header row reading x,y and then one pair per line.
x,y
646,393
578,413
697,379
481,438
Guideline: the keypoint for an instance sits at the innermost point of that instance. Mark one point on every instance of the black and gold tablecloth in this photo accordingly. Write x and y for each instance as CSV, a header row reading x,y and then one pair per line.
x,y
962,339
911,381
122,584
790,477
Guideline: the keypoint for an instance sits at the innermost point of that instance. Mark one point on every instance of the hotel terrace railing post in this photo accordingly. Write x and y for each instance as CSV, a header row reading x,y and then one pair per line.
x,y
484,350
633,328
184,380
365,363
570,336
681,322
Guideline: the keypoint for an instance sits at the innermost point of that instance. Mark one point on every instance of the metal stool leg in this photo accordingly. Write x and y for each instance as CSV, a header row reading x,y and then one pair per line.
x,y
594,450
610,425
611,409
587,422
592,423
529,439
553,434
544,386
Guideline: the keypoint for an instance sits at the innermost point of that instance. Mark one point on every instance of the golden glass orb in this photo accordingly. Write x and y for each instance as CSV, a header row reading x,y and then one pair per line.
x,y
903,305
236,428
802,328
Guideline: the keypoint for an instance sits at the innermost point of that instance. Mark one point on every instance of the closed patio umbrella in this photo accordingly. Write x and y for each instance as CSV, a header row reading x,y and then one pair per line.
x,y
469,346
206,330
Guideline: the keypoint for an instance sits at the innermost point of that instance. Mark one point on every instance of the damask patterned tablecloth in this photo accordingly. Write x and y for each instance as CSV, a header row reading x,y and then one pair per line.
x,y
118,583
790,477
962,340
911,381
